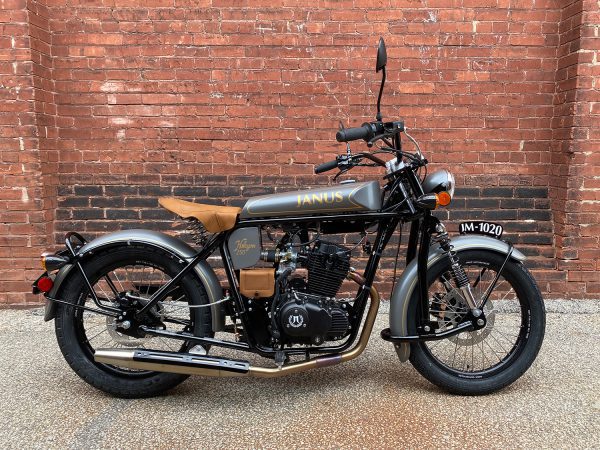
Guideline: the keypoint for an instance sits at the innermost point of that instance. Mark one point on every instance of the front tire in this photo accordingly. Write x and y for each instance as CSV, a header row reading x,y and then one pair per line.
x,y
484,361
78,340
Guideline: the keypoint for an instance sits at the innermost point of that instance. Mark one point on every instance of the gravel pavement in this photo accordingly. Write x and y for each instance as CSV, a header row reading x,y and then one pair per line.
x,y
373,401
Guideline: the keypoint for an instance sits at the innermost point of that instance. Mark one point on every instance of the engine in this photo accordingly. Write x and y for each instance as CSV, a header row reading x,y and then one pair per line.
x,y
307,310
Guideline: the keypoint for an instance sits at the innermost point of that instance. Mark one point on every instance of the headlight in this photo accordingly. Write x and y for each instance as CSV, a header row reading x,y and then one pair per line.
x,y
440,181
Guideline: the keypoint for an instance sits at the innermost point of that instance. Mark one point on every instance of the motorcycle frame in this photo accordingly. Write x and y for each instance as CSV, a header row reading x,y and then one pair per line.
x,y
399,208
387,223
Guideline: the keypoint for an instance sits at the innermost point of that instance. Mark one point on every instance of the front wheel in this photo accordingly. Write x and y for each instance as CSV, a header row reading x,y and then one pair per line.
x,y
484,361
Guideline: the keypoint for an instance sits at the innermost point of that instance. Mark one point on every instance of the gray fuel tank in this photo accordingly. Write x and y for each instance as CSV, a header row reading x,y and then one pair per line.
x,y
350,197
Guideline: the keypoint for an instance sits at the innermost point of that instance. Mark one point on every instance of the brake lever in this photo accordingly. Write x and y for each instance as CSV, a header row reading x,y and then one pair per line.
x,y
375,139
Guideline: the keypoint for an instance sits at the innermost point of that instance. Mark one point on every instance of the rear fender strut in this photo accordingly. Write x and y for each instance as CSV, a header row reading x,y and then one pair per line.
x,y
178,248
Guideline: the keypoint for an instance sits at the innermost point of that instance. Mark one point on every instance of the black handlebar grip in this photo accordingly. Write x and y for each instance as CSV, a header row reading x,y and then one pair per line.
x,y
354,134
326,166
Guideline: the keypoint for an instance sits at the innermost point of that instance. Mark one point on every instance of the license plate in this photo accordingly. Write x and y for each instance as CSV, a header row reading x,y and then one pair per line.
x,y
478,227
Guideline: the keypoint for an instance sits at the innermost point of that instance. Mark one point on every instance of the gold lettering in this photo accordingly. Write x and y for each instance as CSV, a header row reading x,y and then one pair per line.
x,y
326,198
306,201
299,201
317,198
242,246
339,197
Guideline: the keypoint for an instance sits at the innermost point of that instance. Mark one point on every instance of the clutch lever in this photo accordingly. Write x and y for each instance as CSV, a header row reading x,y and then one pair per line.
x,y
341,172
345,163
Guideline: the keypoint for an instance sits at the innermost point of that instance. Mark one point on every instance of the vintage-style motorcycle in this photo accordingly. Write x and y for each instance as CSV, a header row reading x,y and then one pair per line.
x,y
136,311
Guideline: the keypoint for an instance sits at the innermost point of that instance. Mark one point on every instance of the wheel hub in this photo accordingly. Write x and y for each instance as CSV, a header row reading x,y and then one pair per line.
x,y
118,333
451,310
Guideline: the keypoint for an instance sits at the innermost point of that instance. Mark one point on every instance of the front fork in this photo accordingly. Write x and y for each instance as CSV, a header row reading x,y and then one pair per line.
x,y
432,228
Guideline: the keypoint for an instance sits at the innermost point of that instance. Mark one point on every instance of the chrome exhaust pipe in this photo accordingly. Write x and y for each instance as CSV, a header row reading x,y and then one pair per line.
x,y
185,363
190,364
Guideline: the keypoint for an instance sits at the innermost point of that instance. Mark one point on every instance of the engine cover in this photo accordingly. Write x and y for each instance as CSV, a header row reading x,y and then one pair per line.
x,y
314,319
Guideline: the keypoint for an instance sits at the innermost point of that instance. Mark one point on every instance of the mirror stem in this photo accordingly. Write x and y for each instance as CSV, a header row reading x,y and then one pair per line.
x,y
378,117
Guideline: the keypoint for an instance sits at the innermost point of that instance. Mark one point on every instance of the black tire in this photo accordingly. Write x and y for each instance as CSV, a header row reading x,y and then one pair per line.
x,y
70,330
518,359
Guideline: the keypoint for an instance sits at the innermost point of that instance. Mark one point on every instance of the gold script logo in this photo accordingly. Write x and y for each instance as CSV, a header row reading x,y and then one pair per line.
x,y
324,198
242,246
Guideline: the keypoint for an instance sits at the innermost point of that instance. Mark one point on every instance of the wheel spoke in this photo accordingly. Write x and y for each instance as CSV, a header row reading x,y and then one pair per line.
x,y
140,279
490,346
119,281
97,334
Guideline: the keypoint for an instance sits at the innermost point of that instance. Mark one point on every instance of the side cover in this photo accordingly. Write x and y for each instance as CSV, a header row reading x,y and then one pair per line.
x,y
407,283
165,242
351,197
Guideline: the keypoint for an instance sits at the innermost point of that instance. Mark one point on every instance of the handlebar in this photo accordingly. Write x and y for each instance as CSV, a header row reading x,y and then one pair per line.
x,y
369,132
353,134
326,166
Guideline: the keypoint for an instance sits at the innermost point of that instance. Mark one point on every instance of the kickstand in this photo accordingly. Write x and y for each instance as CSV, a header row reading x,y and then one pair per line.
x,y
280,358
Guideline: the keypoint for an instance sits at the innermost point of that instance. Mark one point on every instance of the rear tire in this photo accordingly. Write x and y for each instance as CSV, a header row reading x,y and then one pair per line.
x,y
528,338
76,347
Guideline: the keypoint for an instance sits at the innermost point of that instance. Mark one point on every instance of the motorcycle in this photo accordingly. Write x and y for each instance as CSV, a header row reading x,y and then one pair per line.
x,y
136,312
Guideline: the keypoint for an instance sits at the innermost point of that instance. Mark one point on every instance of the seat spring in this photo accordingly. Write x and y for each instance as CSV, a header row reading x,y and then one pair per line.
x,y
197,231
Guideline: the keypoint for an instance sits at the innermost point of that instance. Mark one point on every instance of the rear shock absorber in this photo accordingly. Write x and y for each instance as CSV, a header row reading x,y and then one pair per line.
x,y
458,272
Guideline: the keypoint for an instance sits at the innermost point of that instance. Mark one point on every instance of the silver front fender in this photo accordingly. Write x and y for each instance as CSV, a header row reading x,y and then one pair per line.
x,y
407,282
163,241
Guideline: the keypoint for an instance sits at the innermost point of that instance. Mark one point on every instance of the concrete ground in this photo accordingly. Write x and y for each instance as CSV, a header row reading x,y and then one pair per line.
x,y
373,401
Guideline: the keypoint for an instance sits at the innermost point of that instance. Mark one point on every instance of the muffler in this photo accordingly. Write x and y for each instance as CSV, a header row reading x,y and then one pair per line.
x,y
190,364
185,363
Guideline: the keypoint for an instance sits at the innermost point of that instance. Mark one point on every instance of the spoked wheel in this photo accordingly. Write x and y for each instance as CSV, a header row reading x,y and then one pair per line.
x,y
482,361
136,272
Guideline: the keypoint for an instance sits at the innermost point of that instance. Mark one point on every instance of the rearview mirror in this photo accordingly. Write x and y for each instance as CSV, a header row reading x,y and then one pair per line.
x,y
381,56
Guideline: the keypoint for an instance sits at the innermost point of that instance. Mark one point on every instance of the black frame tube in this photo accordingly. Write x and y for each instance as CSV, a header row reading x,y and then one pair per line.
x,y
387,223
164,289
423,257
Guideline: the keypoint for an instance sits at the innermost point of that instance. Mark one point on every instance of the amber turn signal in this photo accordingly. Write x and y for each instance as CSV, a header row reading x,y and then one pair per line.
x,y
444,198
51,262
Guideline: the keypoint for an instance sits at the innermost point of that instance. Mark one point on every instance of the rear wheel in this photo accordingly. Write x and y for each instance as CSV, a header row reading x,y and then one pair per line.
x,y
483,361
139,271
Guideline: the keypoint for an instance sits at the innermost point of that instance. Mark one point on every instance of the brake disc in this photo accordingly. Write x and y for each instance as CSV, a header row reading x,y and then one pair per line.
x,y
453,309
475,337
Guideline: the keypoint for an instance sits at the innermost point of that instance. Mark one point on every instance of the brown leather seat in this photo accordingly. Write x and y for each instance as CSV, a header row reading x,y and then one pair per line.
x,y
214,218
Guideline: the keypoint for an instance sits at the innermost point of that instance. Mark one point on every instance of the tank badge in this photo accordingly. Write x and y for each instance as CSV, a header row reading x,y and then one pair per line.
x,y
323,198
242,246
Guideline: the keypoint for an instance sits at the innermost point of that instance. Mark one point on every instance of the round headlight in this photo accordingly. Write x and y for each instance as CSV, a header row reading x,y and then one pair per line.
x,y
438,181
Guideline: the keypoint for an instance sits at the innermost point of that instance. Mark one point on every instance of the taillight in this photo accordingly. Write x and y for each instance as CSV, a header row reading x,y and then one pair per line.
x,y
44,284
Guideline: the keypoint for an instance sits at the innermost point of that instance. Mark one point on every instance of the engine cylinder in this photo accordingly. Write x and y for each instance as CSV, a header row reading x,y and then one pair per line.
x,y
328,265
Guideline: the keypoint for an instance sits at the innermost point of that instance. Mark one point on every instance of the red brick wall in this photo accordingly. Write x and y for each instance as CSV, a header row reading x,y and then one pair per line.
x,y
26,217
217,102
575,151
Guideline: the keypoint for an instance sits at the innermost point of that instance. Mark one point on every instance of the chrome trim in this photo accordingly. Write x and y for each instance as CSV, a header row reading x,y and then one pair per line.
x,y
440,180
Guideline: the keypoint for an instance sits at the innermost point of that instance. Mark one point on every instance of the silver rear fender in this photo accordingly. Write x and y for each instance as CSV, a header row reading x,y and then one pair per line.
x,y
407,283
180,249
